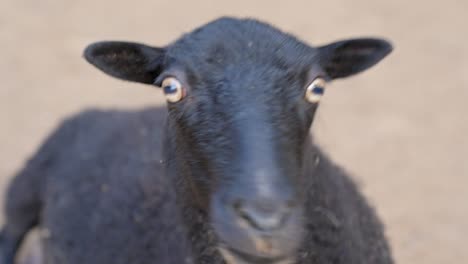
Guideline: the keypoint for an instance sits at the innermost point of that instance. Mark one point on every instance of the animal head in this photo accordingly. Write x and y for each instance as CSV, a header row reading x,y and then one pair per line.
x,y
241,97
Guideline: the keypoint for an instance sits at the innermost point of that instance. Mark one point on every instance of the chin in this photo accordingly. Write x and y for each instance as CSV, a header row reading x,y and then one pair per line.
x,y
232,256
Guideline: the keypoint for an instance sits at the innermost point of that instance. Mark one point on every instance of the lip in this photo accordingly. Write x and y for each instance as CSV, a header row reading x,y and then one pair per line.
x,y
234,256
240,244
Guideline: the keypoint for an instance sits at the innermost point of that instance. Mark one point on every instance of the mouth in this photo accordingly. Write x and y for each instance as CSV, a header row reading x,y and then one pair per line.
x,y
233,256
241,242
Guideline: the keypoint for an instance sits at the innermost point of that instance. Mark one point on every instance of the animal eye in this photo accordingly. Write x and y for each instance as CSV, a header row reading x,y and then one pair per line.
x,y
173,89
315,90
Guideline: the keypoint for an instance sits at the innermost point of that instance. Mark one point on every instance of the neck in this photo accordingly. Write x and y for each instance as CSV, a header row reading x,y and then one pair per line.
x,y
191,203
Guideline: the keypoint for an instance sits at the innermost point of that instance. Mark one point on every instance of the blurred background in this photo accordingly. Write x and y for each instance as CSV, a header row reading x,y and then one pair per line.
x,y
401,128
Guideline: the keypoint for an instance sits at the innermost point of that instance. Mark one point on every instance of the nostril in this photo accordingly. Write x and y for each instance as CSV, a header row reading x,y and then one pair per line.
x,y
261,216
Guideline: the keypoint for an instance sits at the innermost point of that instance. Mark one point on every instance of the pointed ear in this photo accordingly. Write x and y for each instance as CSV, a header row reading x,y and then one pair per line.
x,y
125,60
348,57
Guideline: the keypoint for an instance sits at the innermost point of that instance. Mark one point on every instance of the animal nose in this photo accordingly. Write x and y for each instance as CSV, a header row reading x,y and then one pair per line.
x,y
262,215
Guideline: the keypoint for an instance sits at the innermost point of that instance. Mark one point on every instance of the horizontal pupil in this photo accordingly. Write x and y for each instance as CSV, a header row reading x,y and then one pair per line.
x,y
170,89
318,90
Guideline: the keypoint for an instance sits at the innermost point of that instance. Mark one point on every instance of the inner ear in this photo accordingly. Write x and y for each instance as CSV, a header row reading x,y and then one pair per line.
x,y
126,60
348,57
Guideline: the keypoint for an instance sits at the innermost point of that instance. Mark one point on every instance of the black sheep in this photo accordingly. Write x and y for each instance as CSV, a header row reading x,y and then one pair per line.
x,y
232,175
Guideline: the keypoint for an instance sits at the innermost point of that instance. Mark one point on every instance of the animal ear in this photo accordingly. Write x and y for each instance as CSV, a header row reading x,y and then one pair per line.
x,y
348,57
126,60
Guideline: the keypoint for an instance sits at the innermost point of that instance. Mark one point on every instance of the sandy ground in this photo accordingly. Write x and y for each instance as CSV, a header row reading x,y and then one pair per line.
x,y
400,128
